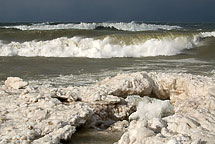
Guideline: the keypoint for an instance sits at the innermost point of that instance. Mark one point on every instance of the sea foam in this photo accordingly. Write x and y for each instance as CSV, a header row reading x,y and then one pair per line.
x,y
132,26
207,34
97,48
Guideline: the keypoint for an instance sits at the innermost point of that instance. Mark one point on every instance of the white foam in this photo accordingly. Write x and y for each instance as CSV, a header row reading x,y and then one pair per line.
x,y
46,26
96,48
207,34
132,26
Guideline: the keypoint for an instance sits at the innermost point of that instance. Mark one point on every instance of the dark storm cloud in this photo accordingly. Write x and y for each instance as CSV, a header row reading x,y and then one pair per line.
x,y
107,10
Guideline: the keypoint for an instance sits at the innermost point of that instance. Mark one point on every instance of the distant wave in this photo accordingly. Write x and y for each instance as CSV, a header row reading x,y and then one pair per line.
x,y
132,26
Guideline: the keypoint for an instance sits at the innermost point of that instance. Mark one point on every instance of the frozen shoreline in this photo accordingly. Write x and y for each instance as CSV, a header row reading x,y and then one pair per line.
x,y
40,114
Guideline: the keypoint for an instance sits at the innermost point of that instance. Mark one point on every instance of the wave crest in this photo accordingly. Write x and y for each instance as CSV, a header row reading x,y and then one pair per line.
x,y
207,34
132,26
97,48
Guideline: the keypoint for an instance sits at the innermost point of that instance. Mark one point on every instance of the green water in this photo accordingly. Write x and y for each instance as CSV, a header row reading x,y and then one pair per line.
x,y
92,136
198,60
84,69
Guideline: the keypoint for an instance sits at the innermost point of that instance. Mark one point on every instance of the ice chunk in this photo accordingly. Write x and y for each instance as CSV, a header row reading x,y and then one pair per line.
x,y
15,83
149,108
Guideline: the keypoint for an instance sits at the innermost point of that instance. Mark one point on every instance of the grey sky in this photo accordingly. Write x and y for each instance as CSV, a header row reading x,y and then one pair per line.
x,y
107,10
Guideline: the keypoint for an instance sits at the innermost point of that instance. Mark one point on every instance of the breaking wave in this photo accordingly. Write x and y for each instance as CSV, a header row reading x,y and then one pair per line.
x,y
132,26
96,48
207,34
106,47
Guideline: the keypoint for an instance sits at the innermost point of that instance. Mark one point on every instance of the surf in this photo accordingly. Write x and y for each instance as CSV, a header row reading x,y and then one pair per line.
x,y
131,26
143,44
96,48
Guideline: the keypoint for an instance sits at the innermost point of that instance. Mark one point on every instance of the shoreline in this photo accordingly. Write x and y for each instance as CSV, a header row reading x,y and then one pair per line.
x,y
44,114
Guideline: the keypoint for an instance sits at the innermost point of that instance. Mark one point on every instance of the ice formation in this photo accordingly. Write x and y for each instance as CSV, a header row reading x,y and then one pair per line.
x,y
43,114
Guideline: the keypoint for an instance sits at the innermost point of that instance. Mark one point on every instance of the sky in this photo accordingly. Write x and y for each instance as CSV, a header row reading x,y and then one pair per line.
x,y
107,10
